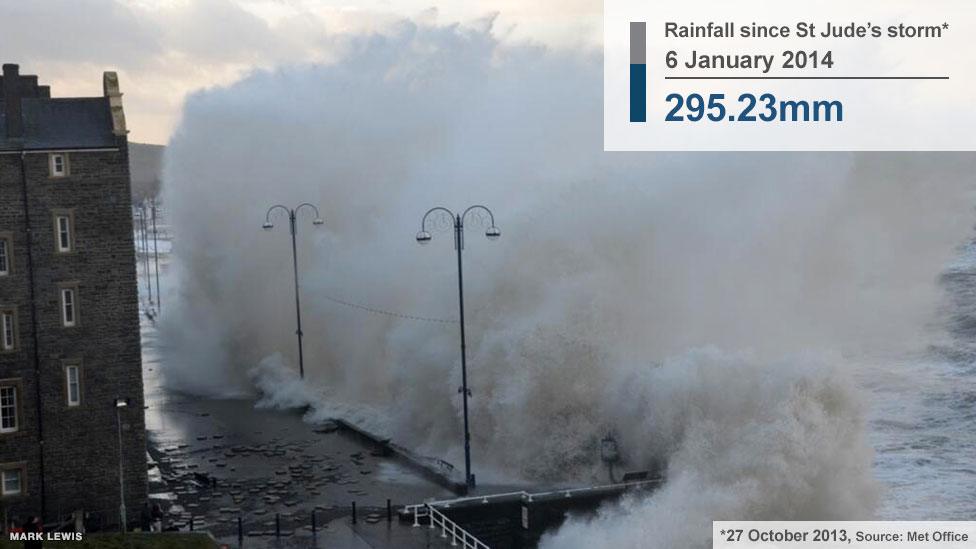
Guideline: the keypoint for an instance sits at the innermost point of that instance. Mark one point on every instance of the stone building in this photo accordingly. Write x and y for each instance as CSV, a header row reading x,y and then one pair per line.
x,y
69,319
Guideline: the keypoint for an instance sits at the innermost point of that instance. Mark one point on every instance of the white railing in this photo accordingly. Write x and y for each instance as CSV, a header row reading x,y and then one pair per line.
x,y
448,527
530,497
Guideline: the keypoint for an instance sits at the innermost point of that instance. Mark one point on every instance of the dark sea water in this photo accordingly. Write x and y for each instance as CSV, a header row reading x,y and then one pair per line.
x,y
923,424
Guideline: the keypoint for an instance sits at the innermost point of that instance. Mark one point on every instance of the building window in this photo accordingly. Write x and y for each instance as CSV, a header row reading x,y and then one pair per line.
x,y
8,409
4,256
64,232
12,481
72,384
69,306
8,330
59,164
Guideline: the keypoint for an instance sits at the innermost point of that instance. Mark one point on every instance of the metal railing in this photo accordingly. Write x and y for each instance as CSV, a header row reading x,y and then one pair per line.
x,y
529,496
448,527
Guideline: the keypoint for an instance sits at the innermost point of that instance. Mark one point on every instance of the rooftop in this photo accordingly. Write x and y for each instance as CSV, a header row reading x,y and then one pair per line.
x,y
31,120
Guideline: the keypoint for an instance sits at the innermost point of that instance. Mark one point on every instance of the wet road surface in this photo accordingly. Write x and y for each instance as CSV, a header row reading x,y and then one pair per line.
x,y
215,462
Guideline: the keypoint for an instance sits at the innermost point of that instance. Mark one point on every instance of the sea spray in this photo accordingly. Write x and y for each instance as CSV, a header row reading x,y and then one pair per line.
x,y
581,317
745,441
279,387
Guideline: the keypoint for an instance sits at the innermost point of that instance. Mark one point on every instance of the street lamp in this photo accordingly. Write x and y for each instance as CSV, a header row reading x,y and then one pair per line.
x,y
424,237
119,404
144,242
292,217
159,293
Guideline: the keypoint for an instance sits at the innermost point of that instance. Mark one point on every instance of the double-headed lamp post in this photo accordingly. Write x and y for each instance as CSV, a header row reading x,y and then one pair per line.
x,y
292,219
423,237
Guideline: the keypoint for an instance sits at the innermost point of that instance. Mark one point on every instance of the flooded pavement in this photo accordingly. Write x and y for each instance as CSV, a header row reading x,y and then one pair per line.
x,y
226,467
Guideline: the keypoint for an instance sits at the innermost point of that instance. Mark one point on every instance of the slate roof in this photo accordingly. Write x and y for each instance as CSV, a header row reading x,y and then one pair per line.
x,y
61,123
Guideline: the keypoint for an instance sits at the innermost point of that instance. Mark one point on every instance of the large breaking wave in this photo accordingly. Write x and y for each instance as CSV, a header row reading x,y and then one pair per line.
x,y
707,309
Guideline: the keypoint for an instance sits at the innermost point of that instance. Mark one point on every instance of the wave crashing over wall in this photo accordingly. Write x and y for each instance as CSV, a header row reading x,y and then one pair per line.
x,y
707,309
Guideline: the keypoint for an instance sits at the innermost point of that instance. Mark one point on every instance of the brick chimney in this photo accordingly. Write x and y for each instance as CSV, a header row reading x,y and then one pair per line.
x,y
11,101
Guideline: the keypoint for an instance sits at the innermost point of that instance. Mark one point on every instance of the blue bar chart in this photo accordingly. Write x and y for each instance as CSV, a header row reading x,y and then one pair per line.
x,y
638,71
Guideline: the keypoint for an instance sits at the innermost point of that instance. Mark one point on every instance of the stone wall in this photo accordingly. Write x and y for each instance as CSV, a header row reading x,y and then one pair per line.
x,y
22,446
81,448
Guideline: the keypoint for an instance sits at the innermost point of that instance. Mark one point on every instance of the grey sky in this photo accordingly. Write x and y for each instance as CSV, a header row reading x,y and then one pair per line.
x,y
164,49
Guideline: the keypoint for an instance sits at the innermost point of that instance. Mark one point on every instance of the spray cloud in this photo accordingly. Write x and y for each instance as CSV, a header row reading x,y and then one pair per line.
x,y
700,306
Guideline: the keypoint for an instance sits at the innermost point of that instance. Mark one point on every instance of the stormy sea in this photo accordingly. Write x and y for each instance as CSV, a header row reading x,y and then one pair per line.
x,y
788,335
